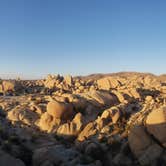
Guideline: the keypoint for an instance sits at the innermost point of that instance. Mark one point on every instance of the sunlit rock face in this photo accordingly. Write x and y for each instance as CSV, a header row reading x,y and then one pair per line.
x,y
98,120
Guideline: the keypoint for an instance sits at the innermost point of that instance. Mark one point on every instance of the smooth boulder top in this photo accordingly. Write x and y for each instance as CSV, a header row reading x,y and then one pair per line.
x,y
157,117
60,110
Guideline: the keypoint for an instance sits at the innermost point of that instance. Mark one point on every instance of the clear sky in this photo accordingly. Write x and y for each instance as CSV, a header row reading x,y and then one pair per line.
x,y
38,37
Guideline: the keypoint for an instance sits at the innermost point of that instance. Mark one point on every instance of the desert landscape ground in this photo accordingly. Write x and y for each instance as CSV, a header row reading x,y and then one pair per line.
x,y
97,120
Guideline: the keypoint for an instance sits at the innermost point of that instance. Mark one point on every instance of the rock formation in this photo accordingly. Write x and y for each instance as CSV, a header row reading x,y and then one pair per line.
x,y
98,120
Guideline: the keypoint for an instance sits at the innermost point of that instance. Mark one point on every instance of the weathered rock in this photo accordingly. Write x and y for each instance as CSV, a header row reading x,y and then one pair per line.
x,y
59,110
22,115
50,82
107,83
1,88
119,95
68,80
8,86
104,98
112,113
89,130
101,99
48,122
139,141
156,124
103,114
71,129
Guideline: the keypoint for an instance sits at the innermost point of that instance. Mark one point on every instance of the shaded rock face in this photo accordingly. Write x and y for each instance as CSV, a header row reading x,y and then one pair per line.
x,y
83,121
156,125
55,155
147,141
139,140
7,160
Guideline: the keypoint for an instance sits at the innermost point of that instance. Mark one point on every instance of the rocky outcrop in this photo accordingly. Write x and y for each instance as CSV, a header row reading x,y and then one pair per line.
x,y
101,99
156,124
48,123
11,87
108,83
147,141
77,121
88,131
25,116
59,110
73,128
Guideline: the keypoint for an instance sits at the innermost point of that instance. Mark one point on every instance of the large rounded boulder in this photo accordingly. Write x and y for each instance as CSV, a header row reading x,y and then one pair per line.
x,y
60,110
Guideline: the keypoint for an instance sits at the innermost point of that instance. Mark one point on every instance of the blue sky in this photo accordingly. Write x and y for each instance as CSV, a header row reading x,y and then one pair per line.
x,y
80,37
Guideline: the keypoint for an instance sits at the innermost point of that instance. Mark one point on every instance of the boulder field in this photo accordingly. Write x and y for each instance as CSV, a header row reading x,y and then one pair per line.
x,y
98,120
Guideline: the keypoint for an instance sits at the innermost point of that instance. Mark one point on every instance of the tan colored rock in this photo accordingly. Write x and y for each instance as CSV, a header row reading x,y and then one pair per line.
x,y
108,82
22,115
112,113
81,88
1,88
60,110
68,80
101,123
60,98
89,130
77,84
48,122
36,108
134,93
50,81
105,114
119,95
100,99
156,124
116,116
8,86
73,128
148,99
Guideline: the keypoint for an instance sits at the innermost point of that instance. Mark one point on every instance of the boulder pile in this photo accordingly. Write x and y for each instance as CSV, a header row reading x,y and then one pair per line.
x,y
104,120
